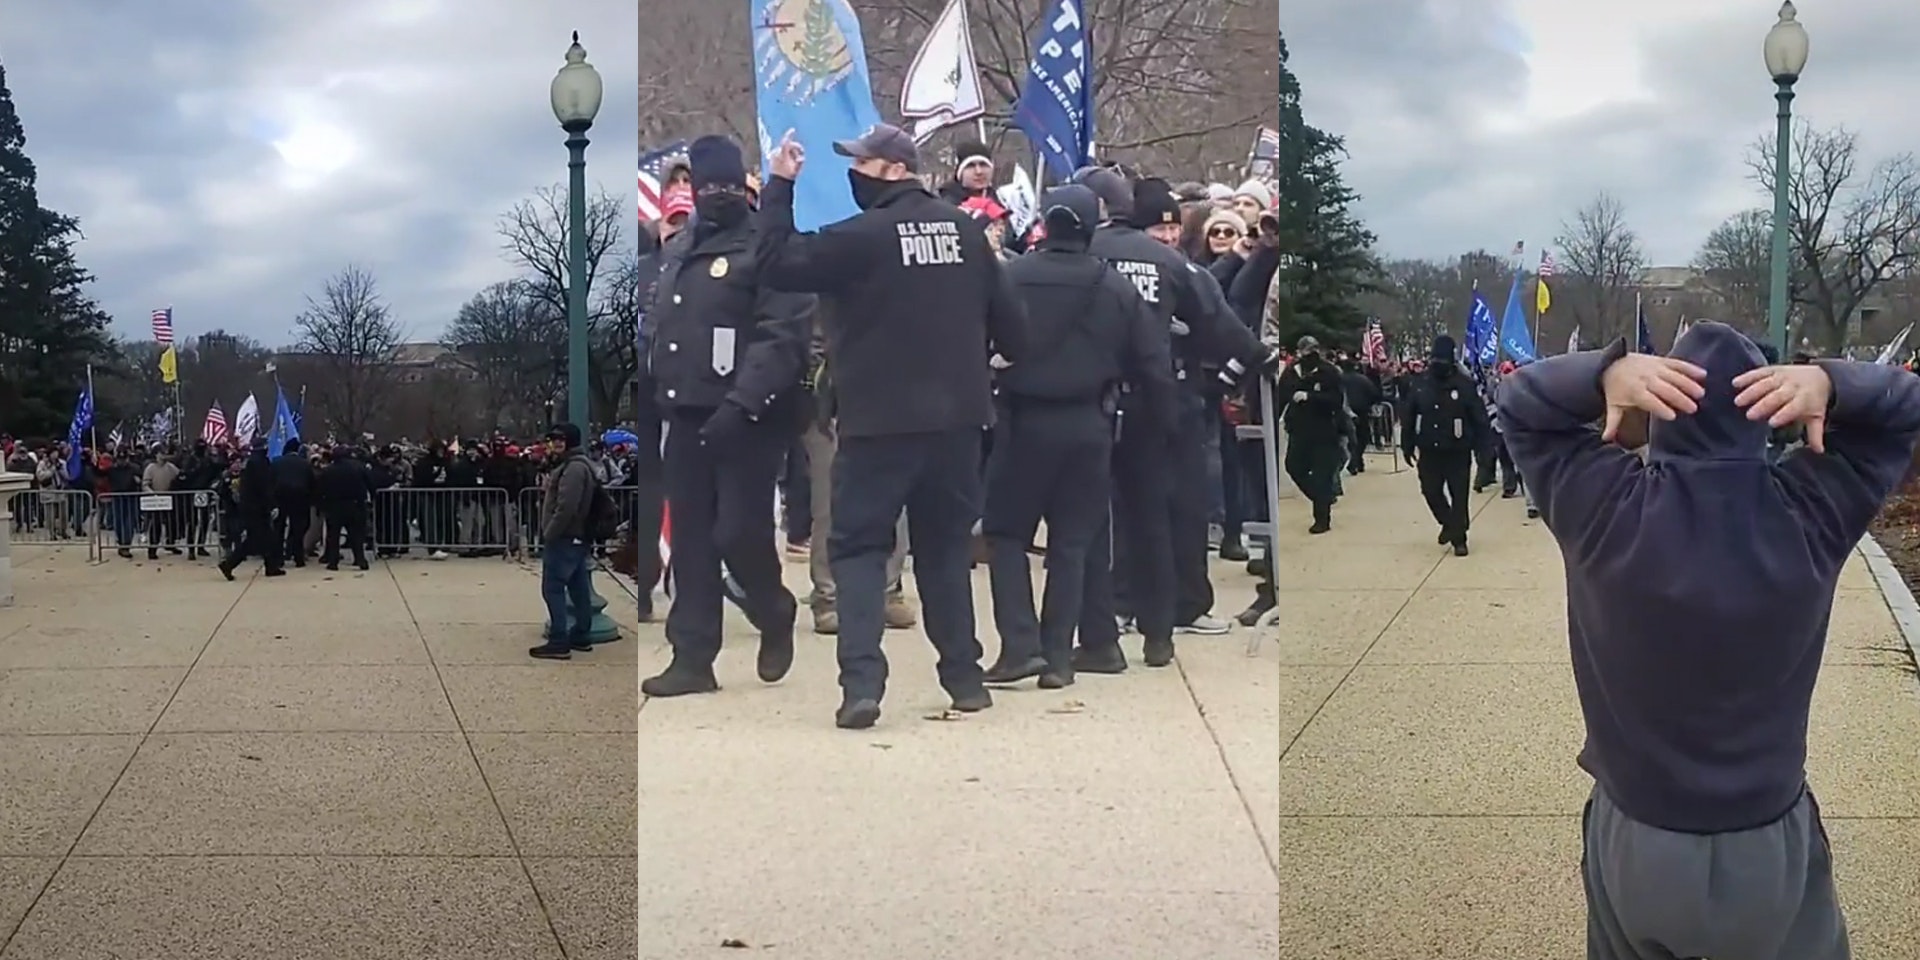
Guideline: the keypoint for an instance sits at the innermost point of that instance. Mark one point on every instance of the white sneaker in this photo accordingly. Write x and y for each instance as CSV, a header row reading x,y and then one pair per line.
x,y
437,555
1205,626
1125,624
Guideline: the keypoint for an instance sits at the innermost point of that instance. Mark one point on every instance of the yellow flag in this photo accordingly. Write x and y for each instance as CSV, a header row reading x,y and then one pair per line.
x,y
1541,298
169,367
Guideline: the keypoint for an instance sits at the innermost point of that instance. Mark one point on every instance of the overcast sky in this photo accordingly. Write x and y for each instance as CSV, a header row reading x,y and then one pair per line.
x,y
226,156
1475,123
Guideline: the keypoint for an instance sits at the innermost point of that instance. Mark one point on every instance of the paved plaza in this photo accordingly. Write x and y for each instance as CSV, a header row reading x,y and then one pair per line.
x,y
320,766
1428,799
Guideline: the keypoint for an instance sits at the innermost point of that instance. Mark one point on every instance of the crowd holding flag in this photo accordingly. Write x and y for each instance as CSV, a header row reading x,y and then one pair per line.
x,y
810,77
1373,345
1055,109
1644,333
81,423
1542,298
1893,349
942,87
1516,340
247,422
214,431
1483,346
1573,340
1265,155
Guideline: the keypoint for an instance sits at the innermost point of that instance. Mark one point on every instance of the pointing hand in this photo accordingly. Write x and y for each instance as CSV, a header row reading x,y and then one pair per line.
x,y
788,157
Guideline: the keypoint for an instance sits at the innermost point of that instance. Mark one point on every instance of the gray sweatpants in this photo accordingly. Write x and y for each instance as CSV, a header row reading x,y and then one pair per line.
x,y
1760,894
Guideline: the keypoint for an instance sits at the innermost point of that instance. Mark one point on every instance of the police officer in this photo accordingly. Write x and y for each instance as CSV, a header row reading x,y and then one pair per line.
x,y
726,353
920,303
1442,425
1316,405
1053,441
1141,549
293,483
257,497
342,491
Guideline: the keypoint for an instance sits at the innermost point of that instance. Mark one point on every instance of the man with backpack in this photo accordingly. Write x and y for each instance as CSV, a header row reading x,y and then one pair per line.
x,y
1442,426
574,507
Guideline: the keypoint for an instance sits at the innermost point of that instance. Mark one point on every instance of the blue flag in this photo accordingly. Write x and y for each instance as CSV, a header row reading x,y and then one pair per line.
x,y
1644,333
810,76
284,429
1055,109
1483,348
82,419
1515,339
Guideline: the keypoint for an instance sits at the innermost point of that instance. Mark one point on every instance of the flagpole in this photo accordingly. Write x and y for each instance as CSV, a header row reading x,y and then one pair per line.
x,y
92,427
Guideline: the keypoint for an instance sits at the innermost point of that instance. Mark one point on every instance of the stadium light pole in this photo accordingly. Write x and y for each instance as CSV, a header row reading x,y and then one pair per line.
x,y
576,95
1786,55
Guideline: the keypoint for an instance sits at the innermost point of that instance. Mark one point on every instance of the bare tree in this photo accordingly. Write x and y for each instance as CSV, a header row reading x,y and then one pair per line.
x,y
1850,230
1736,259
1420,289
534,237
1601,259
616,339
695,75
516,347
351,342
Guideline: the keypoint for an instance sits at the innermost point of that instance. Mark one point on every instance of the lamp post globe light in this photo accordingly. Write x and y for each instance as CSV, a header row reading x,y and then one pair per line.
x,y
1786,55
576,95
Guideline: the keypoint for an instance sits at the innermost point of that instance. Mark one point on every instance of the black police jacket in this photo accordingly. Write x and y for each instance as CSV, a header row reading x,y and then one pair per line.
x,y
1089,331
293,477
1178,289
717,332
343,484
919,304
1317,416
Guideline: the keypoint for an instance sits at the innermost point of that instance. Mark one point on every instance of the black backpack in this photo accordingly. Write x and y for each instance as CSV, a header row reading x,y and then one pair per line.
x,y
1445,415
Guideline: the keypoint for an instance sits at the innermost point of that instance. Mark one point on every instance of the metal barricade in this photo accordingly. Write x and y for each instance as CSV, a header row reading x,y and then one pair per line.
x,y
1385,420
626,501
179,522
52,518
1267,431
446,521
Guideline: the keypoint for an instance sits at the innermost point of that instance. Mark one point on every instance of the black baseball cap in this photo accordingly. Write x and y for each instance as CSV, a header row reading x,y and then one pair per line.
x,y
882,141
566,433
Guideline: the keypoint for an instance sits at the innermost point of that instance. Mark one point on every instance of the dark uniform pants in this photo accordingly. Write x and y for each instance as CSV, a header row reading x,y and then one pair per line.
x,y
1443,482
259,539
1051,463
1188,506
1136,543
349,520
722,513
935,477
290,528
1312,464
649,497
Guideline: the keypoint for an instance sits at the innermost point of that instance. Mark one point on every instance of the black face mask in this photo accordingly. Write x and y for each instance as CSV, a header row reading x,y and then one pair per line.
x,y
867,190
1441,368
722,211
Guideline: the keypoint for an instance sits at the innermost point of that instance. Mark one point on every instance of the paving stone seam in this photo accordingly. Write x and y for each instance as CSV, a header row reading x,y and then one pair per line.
x,y
7,941
473,754
1301,731
1267,849
1894,592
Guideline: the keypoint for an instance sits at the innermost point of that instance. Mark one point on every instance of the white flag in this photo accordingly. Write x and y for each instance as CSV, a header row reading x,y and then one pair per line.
x,y
943,83
1573,340
1893,349
1023,208
247,422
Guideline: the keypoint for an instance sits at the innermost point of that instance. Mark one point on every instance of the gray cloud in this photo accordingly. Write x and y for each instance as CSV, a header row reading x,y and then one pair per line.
x,y
1431,96
404,129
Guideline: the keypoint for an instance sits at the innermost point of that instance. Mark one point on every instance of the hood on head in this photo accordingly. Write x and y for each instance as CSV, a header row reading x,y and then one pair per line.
x,y
1443,350
1720,430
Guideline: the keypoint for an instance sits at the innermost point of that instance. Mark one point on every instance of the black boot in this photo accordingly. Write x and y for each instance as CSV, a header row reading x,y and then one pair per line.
x,y
679,681
1460,546
1262,604
1013,669
971,701
776,642
857,714
1057,676
226,570
1232,549
1106,659
1157,652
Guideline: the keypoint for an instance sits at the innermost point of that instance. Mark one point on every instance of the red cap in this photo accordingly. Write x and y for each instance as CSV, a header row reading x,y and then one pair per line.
x,y
1506,366
677,203
983,208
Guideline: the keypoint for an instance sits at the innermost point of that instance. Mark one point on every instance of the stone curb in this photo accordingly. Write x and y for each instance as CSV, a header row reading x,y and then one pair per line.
x,y
1893,589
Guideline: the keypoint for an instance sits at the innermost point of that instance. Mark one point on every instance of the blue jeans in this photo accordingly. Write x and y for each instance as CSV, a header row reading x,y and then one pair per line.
x,y
566,574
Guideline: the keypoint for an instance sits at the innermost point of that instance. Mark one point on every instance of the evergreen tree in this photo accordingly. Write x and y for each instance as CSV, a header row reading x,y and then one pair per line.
x,y
50,330
1327,259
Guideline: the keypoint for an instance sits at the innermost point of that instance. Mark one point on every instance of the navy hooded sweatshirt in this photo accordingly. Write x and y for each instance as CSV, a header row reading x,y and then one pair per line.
x,y
1700,580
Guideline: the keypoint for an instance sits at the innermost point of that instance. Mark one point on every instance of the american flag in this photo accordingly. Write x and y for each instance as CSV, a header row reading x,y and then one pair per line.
x,y
215,431
1373,345
163,326
653,175
1546,264
114,436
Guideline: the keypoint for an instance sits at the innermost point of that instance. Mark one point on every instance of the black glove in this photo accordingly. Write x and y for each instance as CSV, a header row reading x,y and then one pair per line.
x,y
1412,455
727,426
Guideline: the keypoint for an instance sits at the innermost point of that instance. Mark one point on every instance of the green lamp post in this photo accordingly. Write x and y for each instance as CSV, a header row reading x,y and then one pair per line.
x,y
576,100
1786,53
576,95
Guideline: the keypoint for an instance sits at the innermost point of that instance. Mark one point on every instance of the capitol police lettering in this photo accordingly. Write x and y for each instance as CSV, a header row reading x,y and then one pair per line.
x,y
930,244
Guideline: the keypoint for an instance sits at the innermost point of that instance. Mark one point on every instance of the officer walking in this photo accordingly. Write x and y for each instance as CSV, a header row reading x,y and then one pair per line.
x,y
342,491
1316,403
1143,552
293,483
1053,441
257,497
1443,424
920,302
726,353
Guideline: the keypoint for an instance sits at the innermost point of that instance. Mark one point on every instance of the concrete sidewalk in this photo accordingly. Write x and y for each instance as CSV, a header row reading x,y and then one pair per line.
x,y
320,766
1125,818
1429,803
